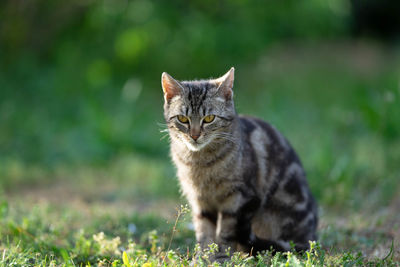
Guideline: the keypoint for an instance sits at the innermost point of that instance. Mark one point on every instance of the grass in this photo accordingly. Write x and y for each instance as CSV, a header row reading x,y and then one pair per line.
x,y
62,235
338,103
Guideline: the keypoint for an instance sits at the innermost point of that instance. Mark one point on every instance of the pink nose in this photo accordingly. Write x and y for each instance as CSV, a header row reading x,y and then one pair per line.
x,y
195,137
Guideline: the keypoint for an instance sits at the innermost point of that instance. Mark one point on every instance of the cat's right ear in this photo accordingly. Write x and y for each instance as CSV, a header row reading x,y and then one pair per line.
x,y
171,87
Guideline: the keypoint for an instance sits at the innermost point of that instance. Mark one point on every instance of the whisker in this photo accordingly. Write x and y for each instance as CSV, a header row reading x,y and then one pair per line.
x,y
164,129
164,136
162,124
226,137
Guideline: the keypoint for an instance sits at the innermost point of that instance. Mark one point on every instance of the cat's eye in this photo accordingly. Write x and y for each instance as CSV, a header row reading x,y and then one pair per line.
x,y
183,119
209,118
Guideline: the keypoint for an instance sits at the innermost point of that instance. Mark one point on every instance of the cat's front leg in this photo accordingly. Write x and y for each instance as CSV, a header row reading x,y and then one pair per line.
x,y
226,235
234,225
205,227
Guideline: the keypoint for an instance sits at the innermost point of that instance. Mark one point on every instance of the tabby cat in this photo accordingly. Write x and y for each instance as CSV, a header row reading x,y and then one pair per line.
x,y
244,182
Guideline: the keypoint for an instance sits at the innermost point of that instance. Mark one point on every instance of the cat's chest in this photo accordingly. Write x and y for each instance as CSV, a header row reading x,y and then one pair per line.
x,y
202,179
205,186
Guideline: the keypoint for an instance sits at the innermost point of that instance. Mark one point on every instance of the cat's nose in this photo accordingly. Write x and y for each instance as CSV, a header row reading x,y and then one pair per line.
x,y
195,136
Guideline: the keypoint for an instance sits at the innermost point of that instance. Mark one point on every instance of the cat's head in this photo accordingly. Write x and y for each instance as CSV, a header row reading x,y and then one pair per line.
x,y
199,112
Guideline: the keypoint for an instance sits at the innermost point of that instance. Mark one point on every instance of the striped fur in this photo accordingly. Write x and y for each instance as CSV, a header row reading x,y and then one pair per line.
x,y
243,180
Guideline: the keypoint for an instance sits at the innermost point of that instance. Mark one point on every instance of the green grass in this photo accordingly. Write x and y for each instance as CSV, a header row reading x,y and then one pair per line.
x,y
45,235
338,104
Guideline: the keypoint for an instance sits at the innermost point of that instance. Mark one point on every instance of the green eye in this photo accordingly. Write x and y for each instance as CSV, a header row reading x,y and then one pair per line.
x,y
183,119
209,118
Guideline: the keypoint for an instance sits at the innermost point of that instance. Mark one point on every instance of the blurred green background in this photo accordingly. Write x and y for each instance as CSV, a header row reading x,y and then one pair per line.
x,y
80,95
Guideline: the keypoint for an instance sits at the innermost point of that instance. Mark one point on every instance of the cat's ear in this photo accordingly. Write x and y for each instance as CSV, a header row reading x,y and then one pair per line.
x,y
225,84
171,87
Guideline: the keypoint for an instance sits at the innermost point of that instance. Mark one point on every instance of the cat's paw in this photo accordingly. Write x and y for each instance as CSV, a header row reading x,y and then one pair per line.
x,y
219,257
208,259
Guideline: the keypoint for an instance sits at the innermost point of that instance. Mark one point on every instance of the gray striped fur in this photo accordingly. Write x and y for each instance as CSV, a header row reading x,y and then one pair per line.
x,y
243,180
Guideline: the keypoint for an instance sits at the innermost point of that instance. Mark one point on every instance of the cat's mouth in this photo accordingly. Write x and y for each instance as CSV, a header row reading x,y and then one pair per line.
x,y
196,145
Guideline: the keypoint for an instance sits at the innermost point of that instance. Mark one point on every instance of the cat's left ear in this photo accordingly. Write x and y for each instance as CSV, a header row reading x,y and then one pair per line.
x,y
225,84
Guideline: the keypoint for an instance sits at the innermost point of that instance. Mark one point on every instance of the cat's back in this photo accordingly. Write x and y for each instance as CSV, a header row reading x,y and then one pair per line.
x,y
270,157
280,183
268,142
258,131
